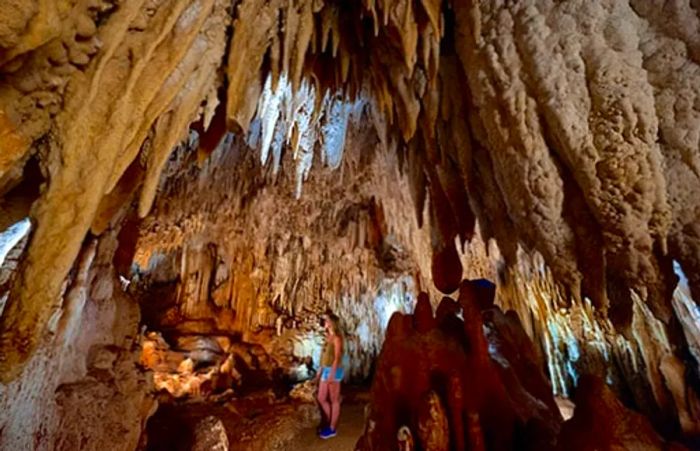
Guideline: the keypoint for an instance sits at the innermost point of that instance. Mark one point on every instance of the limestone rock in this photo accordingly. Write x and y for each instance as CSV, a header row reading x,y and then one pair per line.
x,y
642,367
569,130
84,387
433,430
306,392
544,125
210,434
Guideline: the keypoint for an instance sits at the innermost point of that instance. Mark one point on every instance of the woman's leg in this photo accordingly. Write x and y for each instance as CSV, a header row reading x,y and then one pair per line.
x,y
334,389
323,399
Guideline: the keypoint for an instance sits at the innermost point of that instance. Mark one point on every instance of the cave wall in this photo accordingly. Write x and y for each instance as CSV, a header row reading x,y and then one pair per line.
x,y
645,368
85,81
82,389
560,139
474,381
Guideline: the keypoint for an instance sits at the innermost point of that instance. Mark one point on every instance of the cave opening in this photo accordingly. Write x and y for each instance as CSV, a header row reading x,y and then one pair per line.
x,y
500,201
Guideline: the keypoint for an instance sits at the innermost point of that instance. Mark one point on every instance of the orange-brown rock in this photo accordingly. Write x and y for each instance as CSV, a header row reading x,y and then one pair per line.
x,y
600,421
431,371
433,429
518,112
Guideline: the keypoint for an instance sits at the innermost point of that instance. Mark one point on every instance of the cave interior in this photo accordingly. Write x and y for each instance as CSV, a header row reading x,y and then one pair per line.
x,y
500,201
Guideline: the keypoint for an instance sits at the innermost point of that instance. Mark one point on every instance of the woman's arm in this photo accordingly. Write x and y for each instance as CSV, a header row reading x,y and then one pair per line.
x,y
338,345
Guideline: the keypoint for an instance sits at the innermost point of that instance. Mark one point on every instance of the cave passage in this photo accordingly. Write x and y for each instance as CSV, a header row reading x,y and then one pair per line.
x,y
485,215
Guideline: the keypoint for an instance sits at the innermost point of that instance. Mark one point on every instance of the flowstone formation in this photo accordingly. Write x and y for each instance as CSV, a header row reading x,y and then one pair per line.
x,y
83,389
643,368
229,252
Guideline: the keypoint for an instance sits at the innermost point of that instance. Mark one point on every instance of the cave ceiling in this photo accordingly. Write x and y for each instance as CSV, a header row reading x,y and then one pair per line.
x,y
567,128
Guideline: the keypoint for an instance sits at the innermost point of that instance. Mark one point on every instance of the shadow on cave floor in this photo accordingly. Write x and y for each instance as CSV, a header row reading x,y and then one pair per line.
x,y
255,423
349,431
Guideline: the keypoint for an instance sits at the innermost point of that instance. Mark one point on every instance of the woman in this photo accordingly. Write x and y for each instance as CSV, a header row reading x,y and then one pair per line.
x,y
331,374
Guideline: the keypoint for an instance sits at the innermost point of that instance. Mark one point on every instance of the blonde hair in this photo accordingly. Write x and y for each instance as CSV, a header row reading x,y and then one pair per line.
x,y
335,321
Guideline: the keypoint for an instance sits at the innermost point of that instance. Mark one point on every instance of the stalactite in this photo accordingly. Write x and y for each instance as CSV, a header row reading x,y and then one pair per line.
x,y
578,340
414,45
299,118
60,229
12,236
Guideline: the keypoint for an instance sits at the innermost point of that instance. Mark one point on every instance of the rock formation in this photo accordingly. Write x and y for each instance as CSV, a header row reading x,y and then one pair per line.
x,y
234,167
441,380
83,387
210,435
583,130
440,370
602,422
580,341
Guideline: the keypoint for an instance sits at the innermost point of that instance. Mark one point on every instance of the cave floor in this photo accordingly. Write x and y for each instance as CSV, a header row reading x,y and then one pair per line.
x,y
257,423
349,431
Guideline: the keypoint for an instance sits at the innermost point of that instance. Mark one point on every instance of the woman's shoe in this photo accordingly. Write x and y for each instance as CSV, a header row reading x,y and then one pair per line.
x,y
327,433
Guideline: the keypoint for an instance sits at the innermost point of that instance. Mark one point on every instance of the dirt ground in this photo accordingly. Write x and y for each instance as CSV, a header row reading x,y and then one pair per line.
x,y
258,423
349,431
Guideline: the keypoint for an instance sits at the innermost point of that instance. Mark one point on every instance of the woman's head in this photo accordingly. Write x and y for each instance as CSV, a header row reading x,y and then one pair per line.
x,y
331,323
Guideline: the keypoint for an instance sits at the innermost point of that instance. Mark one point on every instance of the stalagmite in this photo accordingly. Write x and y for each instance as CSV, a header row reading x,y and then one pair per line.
x,y
433,431
419,355
614,427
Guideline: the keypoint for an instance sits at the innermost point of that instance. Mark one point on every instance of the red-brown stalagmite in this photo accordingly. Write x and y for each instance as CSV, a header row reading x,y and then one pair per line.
x,y
478,384
441,366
